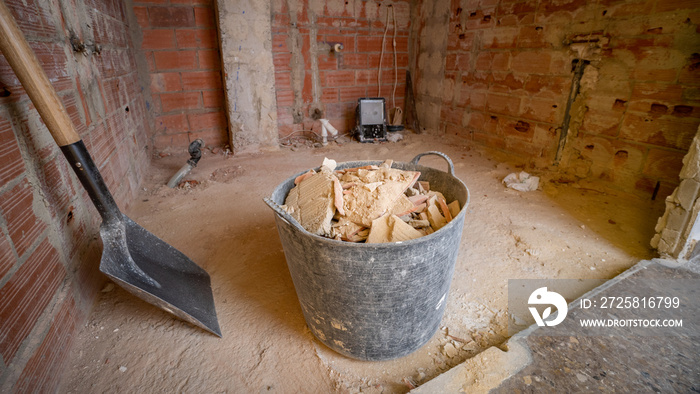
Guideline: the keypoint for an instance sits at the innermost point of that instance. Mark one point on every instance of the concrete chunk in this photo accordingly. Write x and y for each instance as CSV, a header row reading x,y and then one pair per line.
x,y
311,203
390,228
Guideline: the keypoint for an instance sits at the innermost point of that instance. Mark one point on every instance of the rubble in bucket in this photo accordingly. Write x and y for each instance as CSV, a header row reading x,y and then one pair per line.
x,y
372,204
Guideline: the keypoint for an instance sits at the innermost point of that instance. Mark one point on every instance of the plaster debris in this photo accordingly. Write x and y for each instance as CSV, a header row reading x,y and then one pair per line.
x,y
389,228
373,204
522,181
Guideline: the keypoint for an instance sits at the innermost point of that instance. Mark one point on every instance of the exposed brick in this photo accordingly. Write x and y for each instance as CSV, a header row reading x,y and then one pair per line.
x,y
101,144
661,75
366,77
534,62
664,164
561,5
664,131
209,59
329,95
31,19
503,104
285,98
352,61
213,98
207,120
351,94
517,128
531,37
7,255
26,295
676,5
165,82
500,61
204,17
163,141
201,80
23,226
541,110
141,16
175,60
657,91
371,44
171,16
338,78
196,38
602,122
282,61
180,101
502,38
158,39
39,375
327,62
483,61
506,82
283,80
171,124
11,163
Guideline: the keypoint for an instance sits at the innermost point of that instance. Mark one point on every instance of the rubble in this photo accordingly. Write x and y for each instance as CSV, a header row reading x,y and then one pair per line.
x,y
372,204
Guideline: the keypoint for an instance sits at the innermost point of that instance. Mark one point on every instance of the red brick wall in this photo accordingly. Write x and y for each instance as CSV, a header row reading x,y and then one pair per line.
x,y
181,46
49,253
343,77
509,72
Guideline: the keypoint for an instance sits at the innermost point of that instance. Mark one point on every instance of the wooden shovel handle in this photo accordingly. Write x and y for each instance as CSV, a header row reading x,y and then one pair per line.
x,y
26,66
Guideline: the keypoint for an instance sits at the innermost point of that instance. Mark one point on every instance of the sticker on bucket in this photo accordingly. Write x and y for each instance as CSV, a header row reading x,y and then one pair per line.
x,y
439,304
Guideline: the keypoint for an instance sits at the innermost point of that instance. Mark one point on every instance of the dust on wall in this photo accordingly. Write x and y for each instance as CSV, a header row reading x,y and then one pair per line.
x,y
616,82
49,249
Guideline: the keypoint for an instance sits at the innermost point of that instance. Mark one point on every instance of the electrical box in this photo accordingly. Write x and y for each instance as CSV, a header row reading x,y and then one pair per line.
x,y
371,119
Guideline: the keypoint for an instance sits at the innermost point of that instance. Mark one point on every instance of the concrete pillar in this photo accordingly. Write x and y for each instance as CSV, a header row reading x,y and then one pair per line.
x,y
249,74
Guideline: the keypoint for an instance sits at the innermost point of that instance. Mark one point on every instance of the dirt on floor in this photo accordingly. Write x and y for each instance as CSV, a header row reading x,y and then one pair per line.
x,y
219,220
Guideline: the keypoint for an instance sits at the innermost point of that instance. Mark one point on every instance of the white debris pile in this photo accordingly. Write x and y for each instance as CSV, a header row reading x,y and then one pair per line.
x,y
372,204
522,181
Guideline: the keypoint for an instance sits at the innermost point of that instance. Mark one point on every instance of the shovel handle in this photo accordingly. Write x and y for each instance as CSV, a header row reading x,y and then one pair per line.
x,y
450,165
26,66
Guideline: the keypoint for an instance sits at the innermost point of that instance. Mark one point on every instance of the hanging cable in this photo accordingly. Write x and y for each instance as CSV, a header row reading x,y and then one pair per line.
x,y
396,62
381,56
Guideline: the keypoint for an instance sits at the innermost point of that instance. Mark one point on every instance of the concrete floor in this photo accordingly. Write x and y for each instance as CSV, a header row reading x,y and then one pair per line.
x,y
221,222
568,358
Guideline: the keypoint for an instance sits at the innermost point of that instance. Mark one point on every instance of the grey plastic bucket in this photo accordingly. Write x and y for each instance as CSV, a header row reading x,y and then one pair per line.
x,y
374,301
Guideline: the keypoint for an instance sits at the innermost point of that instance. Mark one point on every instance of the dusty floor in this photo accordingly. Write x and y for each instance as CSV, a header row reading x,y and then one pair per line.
x,y
559,231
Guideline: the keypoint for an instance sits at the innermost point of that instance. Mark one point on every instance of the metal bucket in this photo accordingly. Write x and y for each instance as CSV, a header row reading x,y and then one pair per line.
x,y
374,301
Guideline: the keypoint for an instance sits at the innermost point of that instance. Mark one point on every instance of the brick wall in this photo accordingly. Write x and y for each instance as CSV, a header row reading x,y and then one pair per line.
x,y
181,48
509,71
332,82
49,248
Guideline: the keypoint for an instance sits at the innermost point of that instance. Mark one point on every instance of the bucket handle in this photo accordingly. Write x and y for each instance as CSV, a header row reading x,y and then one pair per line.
x,y
451,166
285,216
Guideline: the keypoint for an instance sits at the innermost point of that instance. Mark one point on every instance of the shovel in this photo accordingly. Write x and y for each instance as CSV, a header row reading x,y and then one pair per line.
x,y
134,258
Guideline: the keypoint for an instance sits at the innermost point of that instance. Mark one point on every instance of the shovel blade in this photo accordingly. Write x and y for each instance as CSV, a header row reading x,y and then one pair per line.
x,y
159,274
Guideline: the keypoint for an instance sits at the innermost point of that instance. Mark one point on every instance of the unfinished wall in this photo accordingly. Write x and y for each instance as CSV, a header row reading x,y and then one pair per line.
x,y
49,248
678,230
181,47
314,82
429,65
606,89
